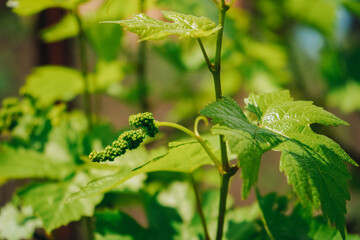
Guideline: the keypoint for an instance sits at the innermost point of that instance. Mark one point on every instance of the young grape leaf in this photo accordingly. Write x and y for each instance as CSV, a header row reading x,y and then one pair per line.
x,y
312,162
182,157
48,202
184,26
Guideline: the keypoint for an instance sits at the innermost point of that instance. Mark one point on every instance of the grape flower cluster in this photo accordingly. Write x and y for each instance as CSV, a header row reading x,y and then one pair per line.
x,y
10,112
128,140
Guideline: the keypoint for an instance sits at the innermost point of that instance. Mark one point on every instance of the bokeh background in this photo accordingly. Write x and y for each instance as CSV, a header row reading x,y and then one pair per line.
x,y
311,47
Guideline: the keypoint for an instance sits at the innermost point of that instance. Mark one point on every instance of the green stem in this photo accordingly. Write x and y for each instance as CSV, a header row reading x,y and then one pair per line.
x,y
225,179
141,70
198,138
207,60
84,68
199,208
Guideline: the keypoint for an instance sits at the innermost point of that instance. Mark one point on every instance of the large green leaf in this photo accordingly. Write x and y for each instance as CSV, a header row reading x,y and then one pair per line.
x,y
184,26
312,162
29,7
245,139
48,202
53,83
24,163
182,157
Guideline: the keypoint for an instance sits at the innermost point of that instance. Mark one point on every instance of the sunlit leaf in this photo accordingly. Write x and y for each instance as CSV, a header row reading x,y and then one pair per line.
x,y
313,163
182,157
184,26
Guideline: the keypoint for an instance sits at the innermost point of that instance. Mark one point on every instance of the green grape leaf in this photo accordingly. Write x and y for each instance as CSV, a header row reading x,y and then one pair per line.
x,y
48,202
24,163
184,26
313,163
172,161
29,7
245,139
67,27
52,83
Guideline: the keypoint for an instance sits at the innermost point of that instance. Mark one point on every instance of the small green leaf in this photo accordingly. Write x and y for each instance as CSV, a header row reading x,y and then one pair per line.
x,y
53,83
67,27
30,7
48,202
23,163
182,157
313,163
184,26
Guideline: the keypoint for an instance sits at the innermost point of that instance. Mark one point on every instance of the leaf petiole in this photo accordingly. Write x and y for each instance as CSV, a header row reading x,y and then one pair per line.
x,y
196,137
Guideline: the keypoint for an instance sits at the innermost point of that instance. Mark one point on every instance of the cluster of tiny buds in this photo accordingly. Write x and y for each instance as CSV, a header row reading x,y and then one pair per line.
x,y
128,140
11,110
146,121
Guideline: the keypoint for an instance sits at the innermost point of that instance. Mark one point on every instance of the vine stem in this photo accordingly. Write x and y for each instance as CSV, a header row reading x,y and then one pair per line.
x,y
215,69
207,60
199,208
224,178
141,70
84,68
196,137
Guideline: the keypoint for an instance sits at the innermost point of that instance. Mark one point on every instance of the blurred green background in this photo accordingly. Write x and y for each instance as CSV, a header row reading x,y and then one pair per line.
x,y
311,47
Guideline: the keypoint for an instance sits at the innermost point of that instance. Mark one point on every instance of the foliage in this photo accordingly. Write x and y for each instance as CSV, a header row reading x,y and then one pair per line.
x,y
76,165
184,26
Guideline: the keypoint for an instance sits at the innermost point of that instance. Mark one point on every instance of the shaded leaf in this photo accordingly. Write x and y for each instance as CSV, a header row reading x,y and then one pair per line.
x,y
299,224
184,26
115,223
